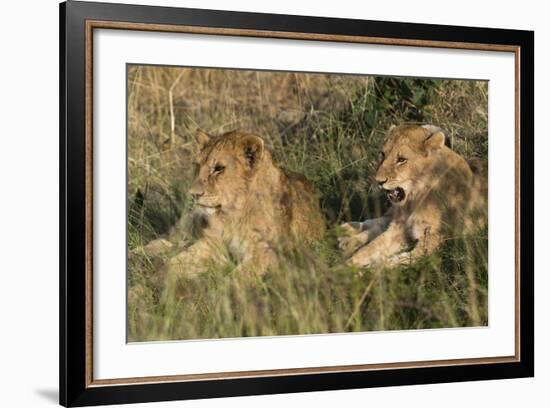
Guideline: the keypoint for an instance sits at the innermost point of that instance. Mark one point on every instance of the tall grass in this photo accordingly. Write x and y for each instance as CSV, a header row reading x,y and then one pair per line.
x,y
330,128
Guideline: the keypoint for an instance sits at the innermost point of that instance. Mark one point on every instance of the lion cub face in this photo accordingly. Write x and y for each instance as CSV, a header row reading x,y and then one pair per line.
x,y
406,155
223,169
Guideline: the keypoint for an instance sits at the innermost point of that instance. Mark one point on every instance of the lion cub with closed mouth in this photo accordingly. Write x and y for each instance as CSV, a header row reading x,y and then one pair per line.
x,y
435,194
247,205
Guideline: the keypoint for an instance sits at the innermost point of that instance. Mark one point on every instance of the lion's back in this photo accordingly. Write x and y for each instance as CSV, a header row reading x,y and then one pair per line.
x,y
458,195
306,219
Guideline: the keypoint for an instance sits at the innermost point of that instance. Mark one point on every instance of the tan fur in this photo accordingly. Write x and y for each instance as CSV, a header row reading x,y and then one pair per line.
x,y
248,206
443,198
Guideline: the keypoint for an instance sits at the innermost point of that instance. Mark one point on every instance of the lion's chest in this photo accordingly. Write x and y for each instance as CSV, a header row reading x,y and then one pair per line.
x,y
238,247
422,222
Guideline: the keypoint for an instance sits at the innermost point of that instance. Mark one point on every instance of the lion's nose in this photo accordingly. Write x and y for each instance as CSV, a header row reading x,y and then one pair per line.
x,y
381,182
196,194
196,191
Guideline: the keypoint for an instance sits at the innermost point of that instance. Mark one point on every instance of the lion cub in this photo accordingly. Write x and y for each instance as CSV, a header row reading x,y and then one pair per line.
x,y
435,194
247,205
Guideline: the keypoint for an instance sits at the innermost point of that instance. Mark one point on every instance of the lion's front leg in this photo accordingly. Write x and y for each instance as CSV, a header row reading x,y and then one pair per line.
x,y
191,261
381,248
351,243
260,259
357,234
426,243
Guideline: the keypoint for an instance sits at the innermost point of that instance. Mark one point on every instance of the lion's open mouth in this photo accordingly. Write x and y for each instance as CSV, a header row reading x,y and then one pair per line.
x,y
208,206
396,195
208,209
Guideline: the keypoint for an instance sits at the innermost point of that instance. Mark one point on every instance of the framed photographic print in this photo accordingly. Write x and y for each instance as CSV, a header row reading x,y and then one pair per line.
x,y
256,204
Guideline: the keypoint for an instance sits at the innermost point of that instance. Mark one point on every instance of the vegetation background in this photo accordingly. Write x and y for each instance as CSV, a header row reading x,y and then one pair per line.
x,y
330,128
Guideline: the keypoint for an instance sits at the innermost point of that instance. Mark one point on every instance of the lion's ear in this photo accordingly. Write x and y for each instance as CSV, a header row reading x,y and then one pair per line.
x,y
202,137
435,141
253,149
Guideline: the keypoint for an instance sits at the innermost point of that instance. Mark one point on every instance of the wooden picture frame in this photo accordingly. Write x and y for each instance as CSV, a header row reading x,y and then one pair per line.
x,y
78,20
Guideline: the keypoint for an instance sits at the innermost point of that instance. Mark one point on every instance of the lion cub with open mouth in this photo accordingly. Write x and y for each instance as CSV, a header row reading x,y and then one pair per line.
x,y
247,205
435,195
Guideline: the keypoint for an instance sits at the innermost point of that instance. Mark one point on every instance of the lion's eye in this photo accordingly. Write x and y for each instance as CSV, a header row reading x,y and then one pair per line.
x,y
219,168
401,160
